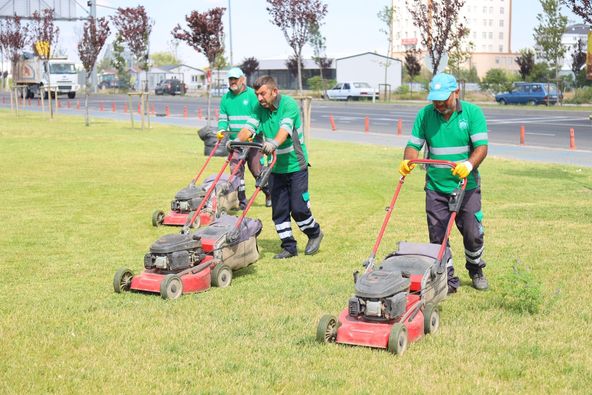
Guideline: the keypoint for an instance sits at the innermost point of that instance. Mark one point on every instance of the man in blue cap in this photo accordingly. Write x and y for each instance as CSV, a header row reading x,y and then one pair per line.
x,y
236,107
452,130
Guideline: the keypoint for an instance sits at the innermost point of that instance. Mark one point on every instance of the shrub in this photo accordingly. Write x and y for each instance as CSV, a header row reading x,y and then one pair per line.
x,y
519,291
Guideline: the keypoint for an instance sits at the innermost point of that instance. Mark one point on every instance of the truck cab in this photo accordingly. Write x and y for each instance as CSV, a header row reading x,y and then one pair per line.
x,y
30,72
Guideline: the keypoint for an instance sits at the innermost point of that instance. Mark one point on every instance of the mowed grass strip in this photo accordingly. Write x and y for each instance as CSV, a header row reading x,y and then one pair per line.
x,y
77,204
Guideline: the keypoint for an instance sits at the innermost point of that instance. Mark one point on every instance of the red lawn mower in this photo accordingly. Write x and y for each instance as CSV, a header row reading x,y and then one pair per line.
x,y
188,199
193,261
398,302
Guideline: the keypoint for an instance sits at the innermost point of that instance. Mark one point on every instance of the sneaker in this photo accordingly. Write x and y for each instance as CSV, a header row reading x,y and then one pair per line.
x,y
267,200
479,281
451,290
242,205
313,245
284,254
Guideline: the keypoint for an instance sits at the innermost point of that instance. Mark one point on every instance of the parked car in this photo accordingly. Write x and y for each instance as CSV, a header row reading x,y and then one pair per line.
x,y
170,87
351,91
532,93
219,90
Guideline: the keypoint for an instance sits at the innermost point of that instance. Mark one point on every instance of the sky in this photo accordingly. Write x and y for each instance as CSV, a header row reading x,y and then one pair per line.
x,y
350,27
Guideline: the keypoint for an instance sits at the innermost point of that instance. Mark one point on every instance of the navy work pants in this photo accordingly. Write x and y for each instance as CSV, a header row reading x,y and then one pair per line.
x,y
290,198
468,222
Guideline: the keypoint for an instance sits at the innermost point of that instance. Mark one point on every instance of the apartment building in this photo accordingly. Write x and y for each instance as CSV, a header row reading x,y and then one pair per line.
x,y
490,23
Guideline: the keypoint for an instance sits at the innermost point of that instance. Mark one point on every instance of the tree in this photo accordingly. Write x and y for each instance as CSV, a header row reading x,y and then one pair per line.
x,y
14,38
44,33
525,62
578,58
295,19
496,80
582,8
164,59
249,66
294,65
94,35
412,65
205,34
460,53
119,62
134,28
549,32
317,42
439,26
387,16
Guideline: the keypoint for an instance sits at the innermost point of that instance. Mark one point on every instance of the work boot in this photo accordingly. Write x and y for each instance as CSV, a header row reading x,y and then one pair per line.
x,y
242,205
313,244
267,200
284,254
478,279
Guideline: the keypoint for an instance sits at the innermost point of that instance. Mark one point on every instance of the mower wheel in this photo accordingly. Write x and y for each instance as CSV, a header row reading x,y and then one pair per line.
x,y
171,287
397,342
431,318
327,329
122,280
157,217
221,276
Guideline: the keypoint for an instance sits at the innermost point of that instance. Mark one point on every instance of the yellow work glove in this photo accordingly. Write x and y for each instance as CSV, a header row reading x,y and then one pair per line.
x,y
405,168
220,134
462,169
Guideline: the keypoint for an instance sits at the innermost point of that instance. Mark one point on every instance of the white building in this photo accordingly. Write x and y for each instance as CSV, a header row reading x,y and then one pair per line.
x,y
570,38
489,22
193,78
370,67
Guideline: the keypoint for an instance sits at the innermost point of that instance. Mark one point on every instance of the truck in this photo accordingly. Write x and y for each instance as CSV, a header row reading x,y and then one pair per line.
x,y
352,91
30,72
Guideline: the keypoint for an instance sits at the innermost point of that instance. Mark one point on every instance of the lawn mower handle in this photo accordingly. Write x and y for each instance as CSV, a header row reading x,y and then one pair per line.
x,y
219,140
369,263
245,144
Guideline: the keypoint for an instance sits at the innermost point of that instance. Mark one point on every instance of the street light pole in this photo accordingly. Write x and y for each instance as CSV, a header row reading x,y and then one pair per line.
x,y
230,32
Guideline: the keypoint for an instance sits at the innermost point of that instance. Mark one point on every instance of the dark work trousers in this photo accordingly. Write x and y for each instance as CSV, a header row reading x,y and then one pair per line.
x,y
468,222
253,160
289,197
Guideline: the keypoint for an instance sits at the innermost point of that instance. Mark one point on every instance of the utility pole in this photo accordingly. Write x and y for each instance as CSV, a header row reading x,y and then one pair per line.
x,y
92,4
230,33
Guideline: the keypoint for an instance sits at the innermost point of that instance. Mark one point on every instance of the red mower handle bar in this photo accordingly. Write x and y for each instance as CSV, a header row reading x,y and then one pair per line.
x,y
432,162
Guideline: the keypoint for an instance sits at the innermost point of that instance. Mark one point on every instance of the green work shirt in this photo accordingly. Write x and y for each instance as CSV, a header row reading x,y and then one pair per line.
x,y
235,110
453,140
292,154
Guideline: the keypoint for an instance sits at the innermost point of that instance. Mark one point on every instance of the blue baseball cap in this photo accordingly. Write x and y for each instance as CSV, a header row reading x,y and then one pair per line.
x,y
235,72
441,86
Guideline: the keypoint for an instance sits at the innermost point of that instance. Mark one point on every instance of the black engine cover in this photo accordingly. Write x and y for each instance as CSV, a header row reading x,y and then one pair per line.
x,y
174,242
190,192
381,284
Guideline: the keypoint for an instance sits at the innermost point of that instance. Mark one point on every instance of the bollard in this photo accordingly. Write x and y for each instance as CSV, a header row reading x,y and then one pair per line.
x,y
366,124
139,109
167,111
153,110
113,108
333,127
101,107
399,127
38,102
217,114
199,114
69,105
522,135
125,107
78,105
572,139
184,111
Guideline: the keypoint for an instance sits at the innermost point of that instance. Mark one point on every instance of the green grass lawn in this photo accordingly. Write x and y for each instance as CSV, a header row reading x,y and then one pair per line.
x,y
77,204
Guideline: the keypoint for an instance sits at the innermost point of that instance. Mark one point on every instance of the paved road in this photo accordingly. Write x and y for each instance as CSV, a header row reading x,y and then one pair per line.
x,y
547,130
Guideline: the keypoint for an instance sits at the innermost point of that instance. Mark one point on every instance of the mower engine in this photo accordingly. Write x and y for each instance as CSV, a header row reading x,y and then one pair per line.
x,y
174,253
188,199
380,296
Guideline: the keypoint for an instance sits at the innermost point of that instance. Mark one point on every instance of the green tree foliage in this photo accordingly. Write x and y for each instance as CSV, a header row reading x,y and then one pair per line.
x,y
119,62
164,58
525,62
540,73
549,31
496,80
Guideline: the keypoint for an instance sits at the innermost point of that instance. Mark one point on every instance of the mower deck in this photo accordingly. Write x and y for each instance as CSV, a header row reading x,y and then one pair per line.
x,y
361,332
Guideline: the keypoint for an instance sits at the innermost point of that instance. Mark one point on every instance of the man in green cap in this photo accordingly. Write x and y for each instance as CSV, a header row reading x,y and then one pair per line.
x,y
456,131
236,107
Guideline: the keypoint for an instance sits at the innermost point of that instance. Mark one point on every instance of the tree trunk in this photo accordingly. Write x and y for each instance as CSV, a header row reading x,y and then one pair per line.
x,y
299,60
86,116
